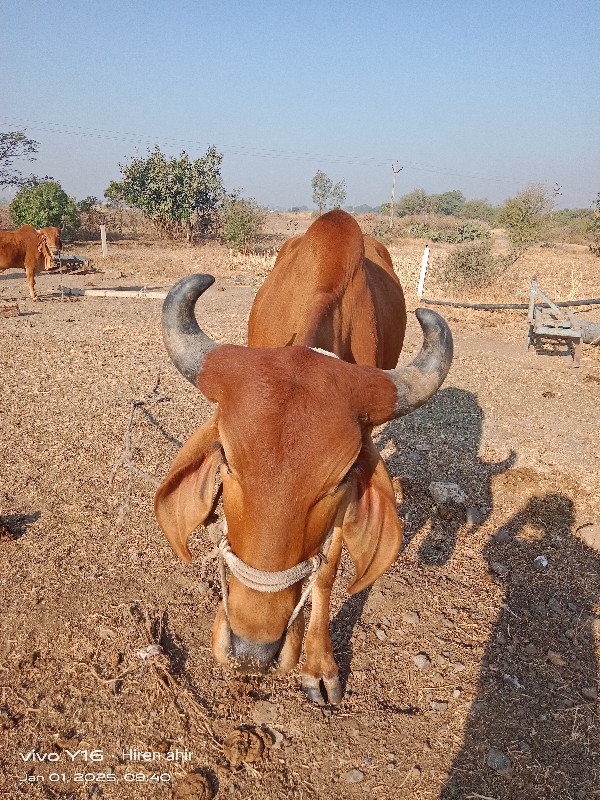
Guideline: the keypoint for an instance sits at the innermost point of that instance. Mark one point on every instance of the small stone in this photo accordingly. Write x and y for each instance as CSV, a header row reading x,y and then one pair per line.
x,y
446,492
422,661
415,457
554,605
499,569
556,659
524,747
456,694
590,692
437,678
439,705
590,536
540,563
474,515
458,666
513,681
264,712
530,649
355,776
410,617
501,536
380,634
497,760
442,660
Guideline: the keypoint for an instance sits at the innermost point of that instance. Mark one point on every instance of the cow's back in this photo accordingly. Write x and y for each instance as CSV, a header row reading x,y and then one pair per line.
x,y
335,289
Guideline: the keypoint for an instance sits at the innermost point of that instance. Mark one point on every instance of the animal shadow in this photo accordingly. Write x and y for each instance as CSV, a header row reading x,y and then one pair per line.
x,y
440,443
532,731
342,629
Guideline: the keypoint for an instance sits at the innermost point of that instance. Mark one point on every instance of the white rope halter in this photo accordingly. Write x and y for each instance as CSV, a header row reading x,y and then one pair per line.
x,y
266,581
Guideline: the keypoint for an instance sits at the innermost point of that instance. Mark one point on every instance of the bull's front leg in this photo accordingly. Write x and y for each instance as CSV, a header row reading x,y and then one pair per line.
x,y
30,270
320,664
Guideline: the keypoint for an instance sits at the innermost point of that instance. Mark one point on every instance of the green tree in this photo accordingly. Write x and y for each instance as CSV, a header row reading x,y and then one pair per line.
x,y
523,215
180,196
241,221
480,209
15,145
45,204
326,193
413,203
448,203
321,186
337,196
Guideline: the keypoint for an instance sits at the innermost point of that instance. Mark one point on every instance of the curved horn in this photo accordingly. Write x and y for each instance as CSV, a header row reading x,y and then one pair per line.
x,y
418,381
185,341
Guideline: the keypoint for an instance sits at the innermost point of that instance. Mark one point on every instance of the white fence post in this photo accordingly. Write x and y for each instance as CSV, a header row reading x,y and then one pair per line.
x,y
424,263
103,240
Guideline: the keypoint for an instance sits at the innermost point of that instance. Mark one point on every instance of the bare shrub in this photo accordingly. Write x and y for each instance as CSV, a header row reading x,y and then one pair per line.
x,y
473,265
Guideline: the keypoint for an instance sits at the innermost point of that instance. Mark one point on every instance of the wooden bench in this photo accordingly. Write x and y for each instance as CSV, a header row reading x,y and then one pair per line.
x,y
548,321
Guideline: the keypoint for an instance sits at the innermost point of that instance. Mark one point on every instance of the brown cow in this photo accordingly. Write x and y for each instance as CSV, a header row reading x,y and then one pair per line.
x,y
29,249
292,436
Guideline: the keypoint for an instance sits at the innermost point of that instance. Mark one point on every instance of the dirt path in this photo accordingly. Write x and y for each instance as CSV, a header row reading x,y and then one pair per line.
x,y
469,669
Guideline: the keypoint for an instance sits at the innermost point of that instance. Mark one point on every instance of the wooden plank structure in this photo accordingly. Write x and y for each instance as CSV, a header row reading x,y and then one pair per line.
x,y
71,263
548,321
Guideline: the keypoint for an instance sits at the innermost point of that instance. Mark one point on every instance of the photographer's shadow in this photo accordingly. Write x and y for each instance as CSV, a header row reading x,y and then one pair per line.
x,y
532,731
440,442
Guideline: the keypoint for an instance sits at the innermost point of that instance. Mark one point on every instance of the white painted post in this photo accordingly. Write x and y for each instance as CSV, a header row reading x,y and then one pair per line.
x,y
103,240
424,262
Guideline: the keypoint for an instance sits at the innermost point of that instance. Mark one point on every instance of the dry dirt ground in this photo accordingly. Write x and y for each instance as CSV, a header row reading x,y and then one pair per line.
x,y
470,669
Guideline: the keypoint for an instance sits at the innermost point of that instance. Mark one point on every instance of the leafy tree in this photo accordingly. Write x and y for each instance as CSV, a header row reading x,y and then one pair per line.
x,y
321,186
15,145
448,203
180,196
413,203
326,193
337,195
45,204
113,195
480,209
241,221
523,215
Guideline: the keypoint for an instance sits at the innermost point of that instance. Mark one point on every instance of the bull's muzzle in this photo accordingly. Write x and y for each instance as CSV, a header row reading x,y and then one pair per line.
x,y
256,658
253,658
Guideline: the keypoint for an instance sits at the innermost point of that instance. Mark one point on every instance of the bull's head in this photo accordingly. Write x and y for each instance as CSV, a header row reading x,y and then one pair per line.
x,y
291,436
50,245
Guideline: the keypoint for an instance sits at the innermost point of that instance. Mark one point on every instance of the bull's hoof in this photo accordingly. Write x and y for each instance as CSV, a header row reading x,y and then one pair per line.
x,y
325,691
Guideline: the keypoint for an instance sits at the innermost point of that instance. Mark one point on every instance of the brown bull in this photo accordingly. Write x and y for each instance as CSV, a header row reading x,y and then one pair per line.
x,y
292,437
29,249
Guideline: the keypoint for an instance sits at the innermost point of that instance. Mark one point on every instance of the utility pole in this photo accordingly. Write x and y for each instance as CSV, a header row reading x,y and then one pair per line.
x,y
395,170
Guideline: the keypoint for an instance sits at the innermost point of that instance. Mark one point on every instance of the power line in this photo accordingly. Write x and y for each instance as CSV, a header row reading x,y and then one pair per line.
x,y
242,150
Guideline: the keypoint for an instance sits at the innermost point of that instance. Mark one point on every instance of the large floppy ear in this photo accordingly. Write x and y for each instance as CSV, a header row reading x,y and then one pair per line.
x,y
371,529
186,496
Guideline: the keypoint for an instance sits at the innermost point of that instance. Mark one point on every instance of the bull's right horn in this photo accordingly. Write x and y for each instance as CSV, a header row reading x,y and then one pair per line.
x,y
419,380
186,342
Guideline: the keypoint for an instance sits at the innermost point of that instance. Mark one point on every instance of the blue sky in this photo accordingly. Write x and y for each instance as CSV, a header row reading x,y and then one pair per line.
x,y
485,97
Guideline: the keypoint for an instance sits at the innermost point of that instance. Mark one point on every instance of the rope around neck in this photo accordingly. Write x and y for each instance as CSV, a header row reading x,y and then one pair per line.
x,y
266,581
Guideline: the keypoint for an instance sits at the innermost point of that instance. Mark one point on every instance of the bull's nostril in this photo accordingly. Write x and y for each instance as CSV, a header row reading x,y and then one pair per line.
x,y
254,656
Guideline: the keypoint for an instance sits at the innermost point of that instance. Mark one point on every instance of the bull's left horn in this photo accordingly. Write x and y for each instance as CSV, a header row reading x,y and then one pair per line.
x,y
186,342
419,380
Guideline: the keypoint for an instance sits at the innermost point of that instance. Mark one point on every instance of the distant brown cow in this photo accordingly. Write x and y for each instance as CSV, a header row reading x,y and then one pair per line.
x,y
292,436
29,249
